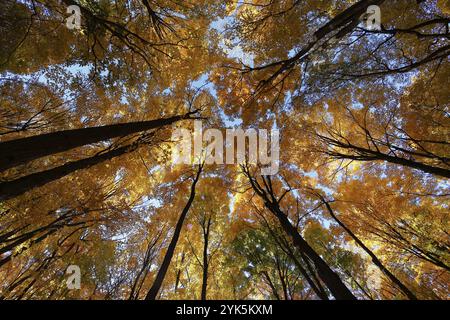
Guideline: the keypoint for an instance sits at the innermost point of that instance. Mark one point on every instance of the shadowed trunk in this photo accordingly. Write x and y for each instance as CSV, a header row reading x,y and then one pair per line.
x,y
366,154
19,186
326,274
148,257
272,287
20,151
153,292
285,246
205,258
330,278
374,258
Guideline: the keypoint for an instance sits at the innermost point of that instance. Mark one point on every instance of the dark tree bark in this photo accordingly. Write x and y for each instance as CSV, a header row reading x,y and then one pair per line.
x,y
316,286
285,246
341,24
365,154
395,237
21,185
282,277
347,20
148,257
20,151
205,265
39,234
326,274
271,285
33,242
153,292
330,278
374,258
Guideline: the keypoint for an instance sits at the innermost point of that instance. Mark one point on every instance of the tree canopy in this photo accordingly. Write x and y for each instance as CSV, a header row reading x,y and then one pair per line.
x,y
359,208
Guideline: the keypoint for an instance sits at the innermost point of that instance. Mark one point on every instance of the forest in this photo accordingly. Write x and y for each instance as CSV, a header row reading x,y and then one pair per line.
x,y
93,206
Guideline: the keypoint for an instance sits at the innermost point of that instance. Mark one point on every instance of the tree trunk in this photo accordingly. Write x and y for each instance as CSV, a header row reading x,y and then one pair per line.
x,y
315,286
272,287
367,154
38,240
285,246
445,173
205,259
375,259
326,274
139,280
346,18
281,276
20,151
153,292
21,185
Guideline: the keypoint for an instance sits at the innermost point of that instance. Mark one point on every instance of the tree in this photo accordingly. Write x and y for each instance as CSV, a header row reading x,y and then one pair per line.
x,y
357,210
374,258
328,276
27,149
152,293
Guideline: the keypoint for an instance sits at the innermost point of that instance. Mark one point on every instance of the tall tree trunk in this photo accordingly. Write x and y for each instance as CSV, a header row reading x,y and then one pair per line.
x,y
153,292
315,286
205,259
21,185
271,285
285,246
347,19
33,242
140,277
367,154
20,151
445,173
327,275
375,259
281,276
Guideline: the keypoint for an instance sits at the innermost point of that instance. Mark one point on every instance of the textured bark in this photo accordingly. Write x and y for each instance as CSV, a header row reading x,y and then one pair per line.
x,y
21,185
20,151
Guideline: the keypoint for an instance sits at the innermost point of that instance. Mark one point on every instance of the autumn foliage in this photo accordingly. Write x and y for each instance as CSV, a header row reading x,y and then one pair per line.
x,y
359,208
